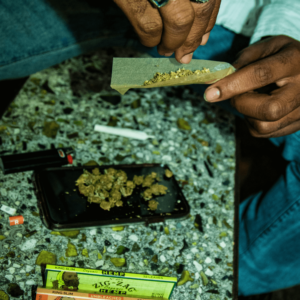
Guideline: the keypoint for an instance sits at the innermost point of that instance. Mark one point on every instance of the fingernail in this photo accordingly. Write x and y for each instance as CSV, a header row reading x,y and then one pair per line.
x,y
169,54
212,94
187,58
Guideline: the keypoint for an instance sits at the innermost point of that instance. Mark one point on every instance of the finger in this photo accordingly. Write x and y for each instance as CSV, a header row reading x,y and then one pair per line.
x,y
203,13
292,128
213,16
255,75
145,20
263,128
205,39
266,107
178,17
259,50
211,23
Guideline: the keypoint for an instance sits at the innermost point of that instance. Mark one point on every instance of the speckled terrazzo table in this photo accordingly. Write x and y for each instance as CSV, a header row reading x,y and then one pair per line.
x,y
59,107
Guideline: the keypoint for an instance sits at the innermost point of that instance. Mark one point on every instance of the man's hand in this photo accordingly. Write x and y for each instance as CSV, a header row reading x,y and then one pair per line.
x,y
180,26
275,60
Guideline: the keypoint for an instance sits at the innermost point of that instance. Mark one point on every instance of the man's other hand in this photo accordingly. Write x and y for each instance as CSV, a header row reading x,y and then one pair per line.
x,y
274,60
180,26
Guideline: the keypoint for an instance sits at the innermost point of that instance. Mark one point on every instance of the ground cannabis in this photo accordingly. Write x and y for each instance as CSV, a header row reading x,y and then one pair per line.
x,y
158,77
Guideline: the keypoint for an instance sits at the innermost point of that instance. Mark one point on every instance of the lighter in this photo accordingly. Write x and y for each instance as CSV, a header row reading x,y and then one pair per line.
x,y
36,160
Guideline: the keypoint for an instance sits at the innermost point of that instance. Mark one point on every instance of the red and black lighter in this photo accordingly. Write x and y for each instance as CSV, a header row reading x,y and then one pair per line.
x,y
36,160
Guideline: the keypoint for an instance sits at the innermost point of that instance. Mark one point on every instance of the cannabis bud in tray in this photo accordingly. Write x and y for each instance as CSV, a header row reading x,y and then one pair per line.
x,y
108,189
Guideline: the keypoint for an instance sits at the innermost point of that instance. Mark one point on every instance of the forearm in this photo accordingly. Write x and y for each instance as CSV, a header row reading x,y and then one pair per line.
x,y
278,18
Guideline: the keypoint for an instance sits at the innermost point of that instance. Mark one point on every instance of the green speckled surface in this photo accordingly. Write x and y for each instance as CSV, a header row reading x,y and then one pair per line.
x,y
60,106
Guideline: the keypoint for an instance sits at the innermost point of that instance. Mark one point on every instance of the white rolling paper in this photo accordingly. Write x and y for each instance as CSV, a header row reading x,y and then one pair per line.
x,y
129,133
